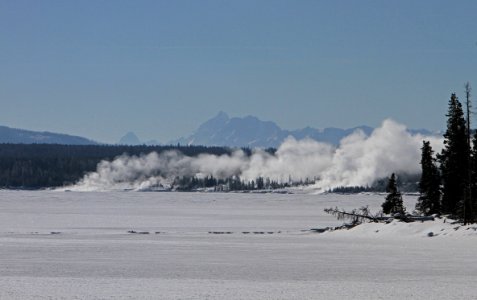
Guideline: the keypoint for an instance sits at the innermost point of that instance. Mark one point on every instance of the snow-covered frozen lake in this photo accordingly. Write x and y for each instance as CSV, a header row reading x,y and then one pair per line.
x,y
71,245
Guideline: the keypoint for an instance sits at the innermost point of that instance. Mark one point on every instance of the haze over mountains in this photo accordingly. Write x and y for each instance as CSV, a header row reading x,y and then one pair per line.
x,y
21,136
221,130
129,138
252,132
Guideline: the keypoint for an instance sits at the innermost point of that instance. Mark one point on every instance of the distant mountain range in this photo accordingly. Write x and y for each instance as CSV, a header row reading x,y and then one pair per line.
x,y
20,136
131,139
251,132
221,130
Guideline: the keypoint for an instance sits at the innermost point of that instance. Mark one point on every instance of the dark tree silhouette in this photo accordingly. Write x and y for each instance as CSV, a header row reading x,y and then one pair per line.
x,y
393,203
473,175
454,160
429,201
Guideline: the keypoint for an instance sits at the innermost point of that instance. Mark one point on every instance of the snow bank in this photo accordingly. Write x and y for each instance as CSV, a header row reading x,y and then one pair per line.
x,y
440,228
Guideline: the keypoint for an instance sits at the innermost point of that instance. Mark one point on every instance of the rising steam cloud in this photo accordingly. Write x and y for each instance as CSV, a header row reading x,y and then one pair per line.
x,y
359,160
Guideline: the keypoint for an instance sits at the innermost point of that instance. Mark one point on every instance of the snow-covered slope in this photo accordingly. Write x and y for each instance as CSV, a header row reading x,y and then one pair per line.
x,y
440,228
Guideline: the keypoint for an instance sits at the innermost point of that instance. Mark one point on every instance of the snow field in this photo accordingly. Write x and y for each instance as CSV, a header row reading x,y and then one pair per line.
x,y
60,245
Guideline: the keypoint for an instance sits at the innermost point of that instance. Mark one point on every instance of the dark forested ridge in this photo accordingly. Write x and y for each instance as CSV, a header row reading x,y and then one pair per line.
x,y
33,166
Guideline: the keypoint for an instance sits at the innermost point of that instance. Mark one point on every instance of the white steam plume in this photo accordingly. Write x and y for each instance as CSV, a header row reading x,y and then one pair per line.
x,y
359,160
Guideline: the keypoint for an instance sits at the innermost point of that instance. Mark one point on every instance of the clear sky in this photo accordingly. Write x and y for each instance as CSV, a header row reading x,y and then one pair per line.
x,y
159,68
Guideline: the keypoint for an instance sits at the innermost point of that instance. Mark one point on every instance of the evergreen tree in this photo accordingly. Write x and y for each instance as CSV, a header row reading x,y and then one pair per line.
x,y
454,160
474,176
393,202
429,201
260,183
466,206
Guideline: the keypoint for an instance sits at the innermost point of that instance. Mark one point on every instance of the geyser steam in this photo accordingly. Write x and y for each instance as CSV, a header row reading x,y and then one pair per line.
x,y
359,160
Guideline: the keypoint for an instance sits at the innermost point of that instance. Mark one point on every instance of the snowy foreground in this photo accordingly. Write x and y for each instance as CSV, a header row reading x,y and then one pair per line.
x,y
70,245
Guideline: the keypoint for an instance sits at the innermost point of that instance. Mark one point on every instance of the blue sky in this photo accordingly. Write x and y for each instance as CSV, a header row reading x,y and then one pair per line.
x,y
159,68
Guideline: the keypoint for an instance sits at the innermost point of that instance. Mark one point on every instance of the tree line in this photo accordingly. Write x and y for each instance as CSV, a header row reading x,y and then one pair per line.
x,y
34,166
233,183
448,183
406,182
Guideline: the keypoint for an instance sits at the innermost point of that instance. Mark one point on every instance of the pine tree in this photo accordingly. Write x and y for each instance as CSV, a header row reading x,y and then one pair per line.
x,y
466,206
474,176
429,201
453,160
393,203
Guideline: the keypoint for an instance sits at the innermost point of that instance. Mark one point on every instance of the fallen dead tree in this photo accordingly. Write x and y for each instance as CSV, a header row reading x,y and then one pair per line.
x,y
360,215
356,216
